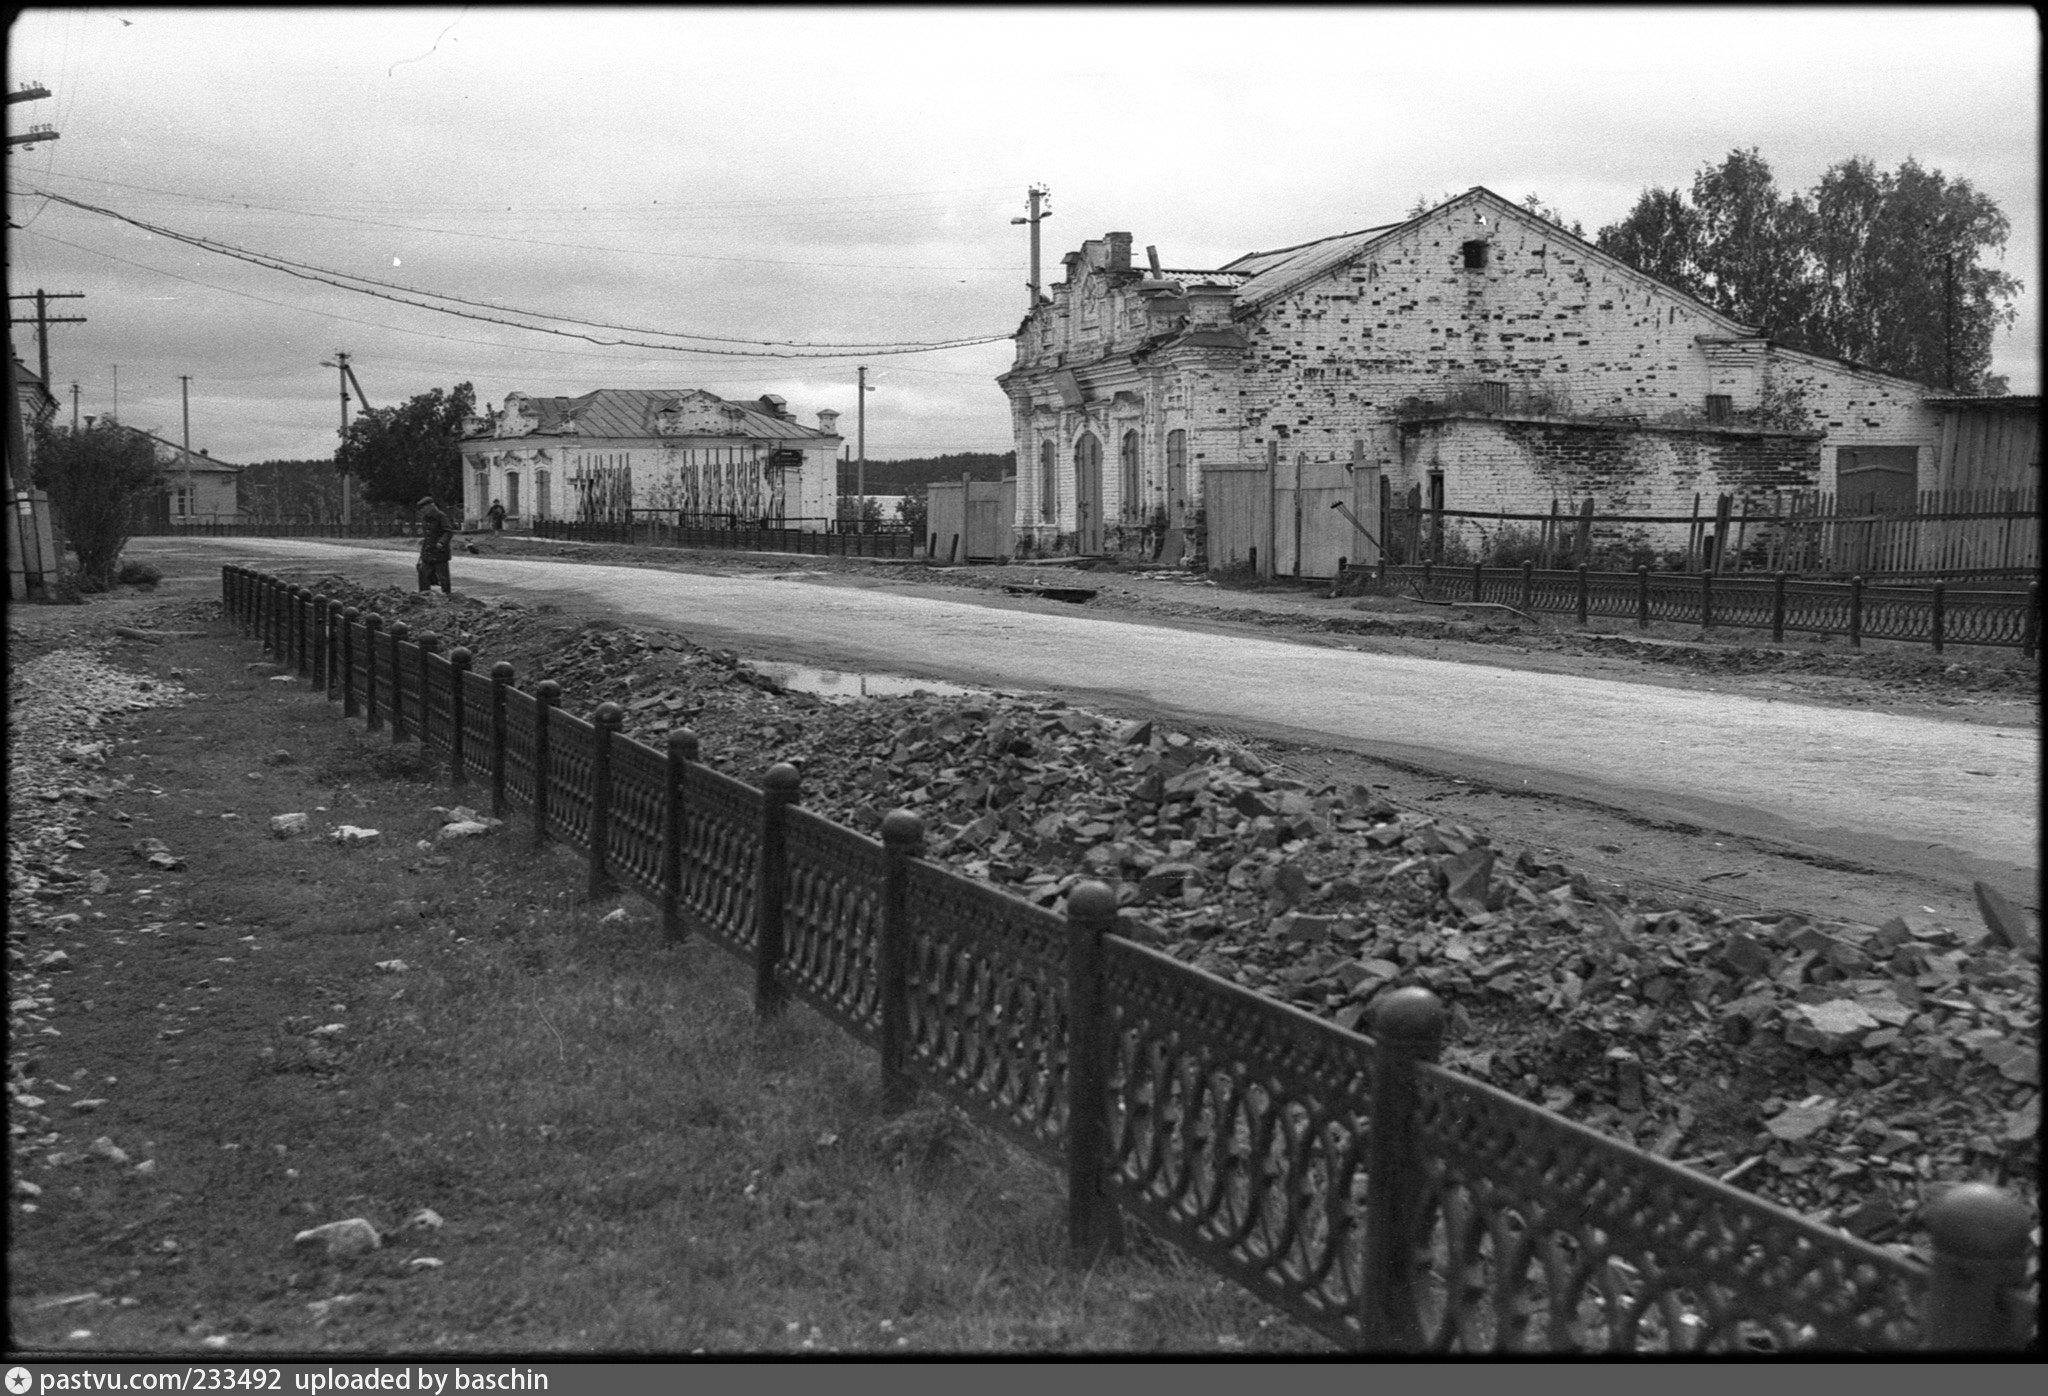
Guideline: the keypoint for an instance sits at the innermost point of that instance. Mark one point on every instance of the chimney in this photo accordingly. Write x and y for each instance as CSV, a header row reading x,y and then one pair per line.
x,y
774,406
828,422
1119,251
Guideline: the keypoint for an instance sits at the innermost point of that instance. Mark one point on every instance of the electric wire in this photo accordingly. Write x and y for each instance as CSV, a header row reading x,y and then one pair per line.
x,y
326,276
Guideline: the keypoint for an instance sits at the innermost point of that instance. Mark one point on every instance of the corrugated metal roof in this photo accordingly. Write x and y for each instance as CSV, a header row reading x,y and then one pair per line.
x,y
2027,400
1269,273
617,413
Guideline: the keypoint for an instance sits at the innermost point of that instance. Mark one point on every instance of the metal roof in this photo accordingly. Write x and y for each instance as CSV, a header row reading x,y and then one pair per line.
x,y
1268,273
629,413
2030,401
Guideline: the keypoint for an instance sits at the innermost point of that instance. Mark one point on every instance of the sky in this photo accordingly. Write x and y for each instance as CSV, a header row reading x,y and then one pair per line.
x,y
848,178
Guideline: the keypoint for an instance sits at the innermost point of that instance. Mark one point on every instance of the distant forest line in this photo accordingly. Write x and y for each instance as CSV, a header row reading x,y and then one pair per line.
x,y
903,476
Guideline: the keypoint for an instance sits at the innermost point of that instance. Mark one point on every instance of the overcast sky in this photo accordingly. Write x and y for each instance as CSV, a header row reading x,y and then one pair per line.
x,y
849,176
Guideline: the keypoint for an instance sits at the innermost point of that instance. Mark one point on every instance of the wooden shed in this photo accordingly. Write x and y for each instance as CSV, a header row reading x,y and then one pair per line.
x,y
973,521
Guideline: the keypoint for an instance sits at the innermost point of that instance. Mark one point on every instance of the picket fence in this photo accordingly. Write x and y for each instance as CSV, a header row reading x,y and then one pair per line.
x,y
1940,615
1385,1202
657,528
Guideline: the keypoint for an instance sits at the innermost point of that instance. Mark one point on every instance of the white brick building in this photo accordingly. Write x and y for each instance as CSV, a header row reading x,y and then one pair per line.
x,y
1476,351
595,456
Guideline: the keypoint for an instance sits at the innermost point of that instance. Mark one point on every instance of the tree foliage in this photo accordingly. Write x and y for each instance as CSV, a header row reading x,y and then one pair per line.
x,y
400,453
291,491
94,478
1883,268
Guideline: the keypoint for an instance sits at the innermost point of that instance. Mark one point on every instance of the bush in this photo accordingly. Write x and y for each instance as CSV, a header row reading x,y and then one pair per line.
x,y
1514,544
95,477
139,574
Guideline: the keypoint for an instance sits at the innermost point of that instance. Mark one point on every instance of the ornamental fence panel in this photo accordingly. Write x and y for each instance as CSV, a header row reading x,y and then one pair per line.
x,y
831,921
521,727
1381,1200
1238,1130
476,722
988,1004
1543,1235
438,732
572,756
639,811
721,848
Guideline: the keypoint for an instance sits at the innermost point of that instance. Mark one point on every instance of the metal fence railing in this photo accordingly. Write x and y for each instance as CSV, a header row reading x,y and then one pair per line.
x,y
664,529
1385,1202
1937,614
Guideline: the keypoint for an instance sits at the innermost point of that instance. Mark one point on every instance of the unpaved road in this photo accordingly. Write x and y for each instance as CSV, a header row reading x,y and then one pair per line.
x,y
1912,796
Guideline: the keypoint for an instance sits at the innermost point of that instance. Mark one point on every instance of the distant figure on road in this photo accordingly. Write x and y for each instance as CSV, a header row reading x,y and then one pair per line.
x,y
496,514
437,545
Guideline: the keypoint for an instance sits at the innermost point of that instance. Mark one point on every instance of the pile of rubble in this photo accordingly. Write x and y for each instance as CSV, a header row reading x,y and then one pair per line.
x,y
1839,1069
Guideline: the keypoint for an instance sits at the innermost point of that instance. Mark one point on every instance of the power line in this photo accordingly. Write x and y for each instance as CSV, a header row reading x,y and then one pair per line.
x,y
567,246
308,272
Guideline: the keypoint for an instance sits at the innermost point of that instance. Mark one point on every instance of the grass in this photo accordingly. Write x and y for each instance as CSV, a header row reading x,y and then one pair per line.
x,y
623,1158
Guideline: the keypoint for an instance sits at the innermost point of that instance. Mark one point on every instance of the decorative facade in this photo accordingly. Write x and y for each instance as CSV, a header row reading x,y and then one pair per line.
x,y
596,456
1476,352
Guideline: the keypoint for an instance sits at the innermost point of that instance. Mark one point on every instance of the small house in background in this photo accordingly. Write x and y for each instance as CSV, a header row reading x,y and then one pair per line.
x,y
1474,357
196,489
683,452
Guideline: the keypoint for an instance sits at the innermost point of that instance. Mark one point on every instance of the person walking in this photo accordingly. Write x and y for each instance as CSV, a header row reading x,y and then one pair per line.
x,y
496,514
437,545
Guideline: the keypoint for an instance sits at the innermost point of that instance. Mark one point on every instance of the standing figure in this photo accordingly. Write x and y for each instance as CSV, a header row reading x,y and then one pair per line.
x,y
437,545
496,514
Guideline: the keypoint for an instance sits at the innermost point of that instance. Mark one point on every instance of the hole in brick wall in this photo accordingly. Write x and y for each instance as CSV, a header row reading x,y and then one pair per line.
x,y
1475,255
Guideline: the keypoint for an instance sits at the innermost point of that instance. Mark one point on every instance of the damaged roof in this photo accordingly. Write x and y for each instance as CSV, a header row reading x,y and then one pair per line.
x,y
614,413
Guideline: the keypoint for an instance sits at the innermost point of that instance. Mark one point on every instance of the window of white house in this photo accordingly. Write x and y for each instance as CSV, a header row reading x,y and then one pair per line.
x,y
1048,483
511,491
541,507
1127,456
1475,255
182,501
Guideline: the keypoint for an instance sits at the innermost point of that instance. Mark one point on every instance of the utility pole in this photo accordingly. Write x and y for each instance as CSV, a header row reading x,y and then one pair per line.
x,y
43,132
861,472
185,395
43,320
115,413
74,409
339,363
1034,195
1948,317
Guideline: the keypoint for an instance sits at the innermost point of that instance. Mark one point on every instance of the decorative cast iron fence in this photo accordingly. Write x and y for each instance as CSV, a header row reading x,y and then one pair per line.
x,y
649,528
1960,614
1385,1202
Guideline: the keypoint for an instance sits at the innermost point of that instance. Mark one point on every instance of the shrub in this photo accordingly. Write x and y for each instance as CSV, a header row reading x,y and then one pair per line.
x,y
139,574
1514,544
95,477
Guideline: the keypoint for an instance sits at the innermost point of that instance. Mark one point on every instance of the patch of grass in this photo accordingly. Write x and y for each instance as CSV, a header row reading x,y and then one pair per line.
x,y
624,1158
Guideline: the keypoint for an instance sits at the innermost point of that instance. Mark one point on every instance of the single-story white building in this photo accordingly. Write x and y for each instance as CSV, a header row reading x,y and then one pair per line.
x,y
688,451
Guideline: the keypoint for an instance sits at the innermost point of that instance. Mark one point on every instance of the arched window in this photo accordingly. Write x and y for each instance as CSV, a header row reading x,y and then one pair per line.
x,y
1127,454
511,491
540,494
483,493
1048,483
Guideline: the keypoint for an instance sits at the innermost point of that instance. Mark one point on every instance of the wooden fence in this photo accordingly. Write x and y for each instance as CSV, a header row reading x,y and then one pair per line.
x,y
1387,1203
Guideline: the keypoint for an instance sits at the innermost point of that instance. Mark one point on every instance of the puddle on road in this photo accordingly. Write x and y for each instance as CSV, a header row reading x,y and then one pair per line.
x,y
837,683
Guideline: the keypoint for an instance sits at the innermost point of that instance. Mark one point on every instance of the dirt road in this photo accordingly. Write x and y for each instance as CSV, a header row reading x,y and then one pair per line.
x,y
1912,795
